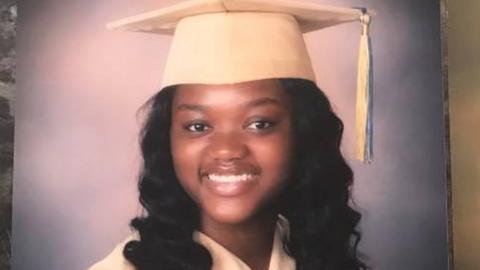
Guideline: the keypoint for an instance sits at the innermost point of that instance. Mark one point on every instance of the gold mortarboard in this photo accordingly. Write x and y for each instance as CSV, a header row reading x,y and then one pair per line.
x,y
232,41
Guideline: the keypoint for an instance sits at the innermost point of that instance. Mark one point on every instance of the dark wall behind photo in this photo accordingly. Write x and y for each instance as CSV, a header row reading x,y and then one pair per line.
x,y
8,14
79,88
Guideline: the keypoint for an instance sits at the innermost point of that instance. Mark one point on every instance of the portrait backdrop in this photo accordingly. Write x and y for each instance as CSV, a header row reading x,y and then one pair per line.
x,y
77,124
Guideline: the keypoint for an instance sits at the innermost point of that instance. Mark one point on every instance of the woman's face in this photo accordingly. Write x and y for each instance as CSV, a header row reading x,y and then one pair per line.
x,y
231,147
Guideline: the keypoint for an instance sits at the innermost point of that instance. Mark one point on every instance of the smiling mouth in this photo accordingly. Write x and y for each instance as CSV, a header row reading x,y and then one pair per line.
x,y
230,178
230,181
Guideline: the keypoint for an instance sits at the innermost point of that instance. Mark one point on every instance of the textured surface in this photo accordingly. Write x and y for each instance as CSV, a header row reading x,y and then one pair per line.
x,y
8,14
79,87
464,91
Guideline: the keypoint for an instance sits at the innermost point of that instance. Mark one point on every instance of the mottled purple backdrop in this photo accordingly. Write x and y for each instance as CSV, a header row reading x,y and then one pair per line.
x,y
76,158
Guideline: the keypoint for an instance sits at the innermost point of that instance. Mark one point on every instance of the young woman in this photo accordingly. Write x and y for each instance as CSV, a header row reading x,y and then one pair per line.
x,y
240,171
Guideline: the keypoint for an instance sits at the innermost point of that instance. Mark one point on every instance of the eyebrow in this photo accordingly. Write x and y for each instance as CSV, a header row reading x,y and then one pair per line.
x,y
254,103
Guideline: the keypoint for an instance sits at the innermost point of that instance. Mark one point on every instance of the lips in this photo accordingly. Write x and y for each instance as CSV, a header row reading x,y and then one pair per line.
x,y
230,181
231,178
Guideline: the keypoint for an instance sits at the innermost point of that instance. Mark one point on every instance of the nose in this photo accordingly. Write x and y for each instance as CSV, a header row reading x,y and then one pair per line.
x,y
227,147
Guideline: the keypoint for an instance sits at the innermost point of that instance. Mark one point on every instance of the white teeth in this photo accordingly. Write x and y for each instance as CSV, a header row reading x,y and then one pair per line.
x,y
229,178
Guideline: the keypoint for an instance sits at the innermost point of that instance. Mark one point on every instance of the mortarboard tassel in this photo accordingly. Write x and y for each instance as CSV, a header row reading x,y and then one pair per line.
x,y
364,95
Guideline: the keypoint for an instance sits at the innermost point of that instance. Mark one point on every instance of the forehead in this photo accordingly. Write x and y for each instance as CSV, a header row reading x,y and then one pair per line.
x,y
206,94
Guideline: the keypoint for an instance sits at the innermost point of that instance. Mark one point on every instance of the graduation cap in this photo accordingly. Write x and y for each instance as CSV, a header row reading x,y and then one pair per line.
x,y
232,41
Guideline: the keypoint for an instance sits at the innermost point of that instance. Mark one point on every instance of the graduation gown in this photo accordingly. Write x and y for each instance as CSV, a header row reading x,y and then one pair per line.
x,y
222,258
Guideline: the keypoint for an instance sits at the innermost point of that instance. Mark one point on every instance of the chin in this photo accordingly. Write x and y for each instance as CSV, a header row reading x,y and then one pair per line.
x,y
230,213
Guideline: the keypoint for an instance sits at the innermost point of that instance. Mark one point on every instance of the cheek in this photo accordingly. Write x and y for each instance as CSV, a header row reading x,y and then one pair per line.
x,y
186,161
274,155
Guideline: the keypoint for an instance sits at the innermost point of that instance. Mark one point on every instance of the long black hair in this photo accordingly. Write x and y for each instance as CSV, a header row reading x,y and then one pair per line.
x,y
323,233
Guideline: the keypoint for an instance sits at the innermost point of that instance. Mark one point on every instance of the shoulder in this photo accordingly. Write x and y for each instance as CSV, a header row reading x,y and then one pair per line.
x,y
115,260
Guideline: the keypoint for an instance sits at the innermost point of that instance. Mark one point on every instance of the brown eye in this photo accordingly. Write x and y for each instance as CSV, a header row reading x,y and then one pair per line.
x,y
196,127
261,124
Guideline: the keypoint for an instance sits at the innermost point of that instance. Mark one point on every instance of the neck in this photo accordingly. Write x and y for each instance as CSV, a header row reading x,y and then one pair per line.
x,y
250,241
